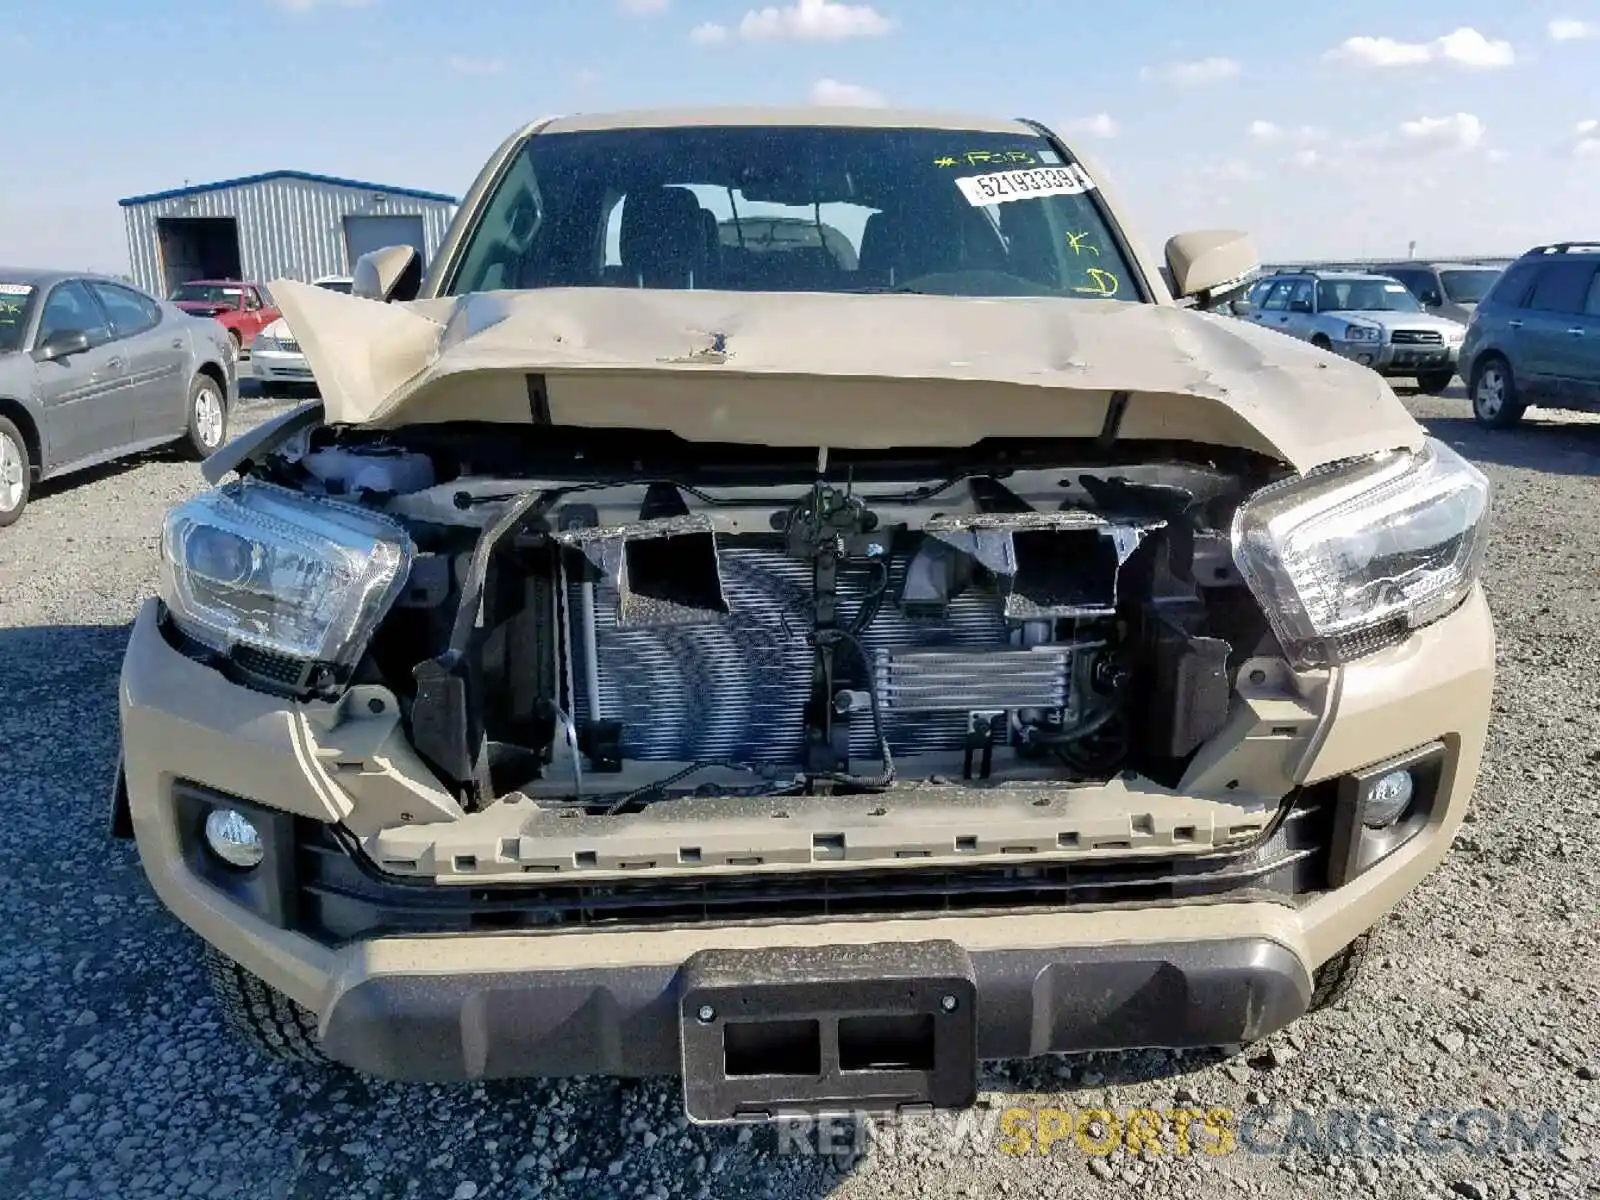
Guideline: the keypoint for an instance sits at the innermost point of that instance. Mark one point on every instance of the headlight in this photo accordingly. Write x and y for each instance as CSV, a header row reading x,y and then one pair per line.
x,y
1349,560
1362,333
255,566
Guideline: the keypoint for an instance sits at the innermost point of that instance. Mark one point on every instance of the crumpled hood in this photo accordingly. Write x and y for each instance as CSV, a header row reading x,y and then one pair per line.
x,y
811,369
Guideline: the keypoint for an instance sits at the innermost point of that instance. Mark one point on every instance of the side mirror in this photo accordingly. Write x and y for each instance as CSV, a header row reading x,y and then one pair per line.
x,y
1239,307
1207,263
61,345
392,273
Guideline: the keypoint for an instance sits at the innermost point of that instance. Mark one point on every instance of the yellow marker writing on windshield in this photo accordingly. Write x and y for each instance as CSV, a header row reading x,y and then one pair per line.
x,y
1075,243
1101,283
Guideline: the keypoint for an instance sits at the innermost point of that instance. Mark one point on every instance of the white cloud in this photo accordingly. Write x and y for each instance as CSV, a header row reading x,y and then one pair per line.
x,y
814,20
1465,47
643,8
1586,138
1205,70
709,34
1098,126
1568,30
1457,134
1381,52
463,64
1229,170
1433,135
847,95
1268,132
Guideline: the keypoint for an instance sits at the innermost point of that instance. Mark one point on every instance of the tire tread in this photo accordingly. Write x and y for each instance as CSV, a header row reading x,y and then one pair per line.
x,y
271,1022
1335,978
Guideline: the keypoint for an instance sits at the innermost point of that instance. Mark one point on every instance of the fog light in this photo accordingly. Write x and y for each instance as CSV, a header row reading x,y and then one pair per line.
x,y
234,839
1364,359
1388,800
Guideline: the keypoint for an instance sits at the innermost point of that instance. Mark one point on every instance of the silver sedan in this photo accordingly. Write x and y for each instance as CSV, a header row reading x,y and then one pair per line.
x,y
92,369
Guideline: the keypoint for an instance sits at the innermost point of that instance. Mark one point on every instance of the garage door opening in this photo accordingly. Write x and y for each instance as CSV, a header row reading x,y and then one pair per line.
x,y
362,235
198,248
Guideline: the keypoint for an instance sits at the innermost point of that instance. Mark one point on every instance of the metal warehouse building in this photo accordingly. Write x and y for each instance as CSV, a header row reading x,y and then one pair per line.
x,y
283,224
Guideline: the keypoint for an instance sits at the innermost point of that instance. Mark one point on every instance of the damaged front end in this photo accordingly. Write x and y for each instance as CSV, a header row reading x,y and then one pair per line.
x,y
614,651
604,652
835,642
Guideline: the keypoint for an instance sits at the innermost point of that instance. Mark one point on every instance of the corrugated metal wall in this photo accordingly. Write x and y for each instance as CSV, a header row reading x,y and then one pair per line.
x,y
288,228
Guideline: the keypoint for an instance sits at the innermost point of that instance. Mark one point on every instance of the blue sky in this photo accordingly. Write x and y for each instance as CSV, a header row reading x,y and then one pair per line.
x,y
1336,129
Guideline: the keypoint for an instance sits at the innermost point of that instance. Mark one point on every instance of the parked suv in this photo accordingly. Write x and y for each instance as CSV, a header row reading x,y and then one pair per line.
x,y
1535,338
1370,318
1451,290
807,673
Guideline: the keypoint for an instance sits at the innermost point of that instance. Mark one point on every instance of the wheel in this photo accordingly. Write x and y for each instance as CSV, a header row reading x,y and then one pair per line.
x,y
272,1023
1335,978
208,417
1434,382
16,472
237,340
1494,394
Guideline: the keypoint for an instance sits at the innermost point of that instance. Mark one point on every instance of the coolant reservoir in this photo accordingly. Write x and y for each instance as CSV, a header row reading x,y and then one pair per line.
x,y
382,469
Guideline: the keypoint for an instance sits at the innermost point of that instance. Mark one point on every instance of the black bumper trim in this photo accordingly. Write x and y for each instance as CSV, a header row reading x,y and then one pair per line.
x,y
624,1021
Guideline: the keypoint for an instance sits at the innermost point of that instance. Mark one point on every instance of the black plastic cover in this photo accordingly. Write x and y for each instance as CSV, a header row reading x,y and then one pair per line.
x,y
811,1030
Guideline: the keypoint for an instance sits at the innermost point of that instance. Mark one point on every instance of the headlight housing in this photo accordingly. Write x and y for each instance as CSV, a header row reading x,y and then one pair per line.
x,y
1362,333
265,341
1348,560
304,580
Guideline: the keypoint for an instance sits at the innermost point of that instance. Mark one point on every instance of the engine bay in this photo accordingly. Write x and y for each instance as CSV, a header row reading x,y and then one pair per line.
x,y
602,620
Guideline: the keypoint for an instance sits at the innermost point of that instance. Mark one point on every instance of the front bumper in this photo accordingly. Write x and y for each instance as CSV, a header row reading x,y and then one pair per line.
x,y
1403,360
584,999
280,366
511,1008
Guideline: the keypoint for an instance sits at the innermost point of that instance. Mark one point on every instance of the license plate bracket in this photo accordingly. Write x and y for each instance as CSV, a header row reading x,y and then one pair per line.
x,y
808,1031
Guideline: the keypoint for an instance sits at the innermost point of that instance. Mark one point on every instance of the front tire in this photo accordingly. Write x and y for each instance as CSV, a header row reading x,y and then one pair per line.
x,y
1494,394
16,473
272,1023
1435,382
208,417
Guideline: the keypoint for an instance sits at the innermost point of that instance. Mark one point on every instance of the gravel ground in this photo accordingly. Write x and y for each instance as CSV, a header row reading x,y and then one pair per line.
x,y
116,1079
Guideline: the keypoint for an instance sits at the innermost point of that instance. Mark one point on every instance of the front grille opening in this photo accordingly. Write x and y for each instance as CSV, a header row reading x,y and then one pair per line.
x,y
752,1048
886,1043
343,897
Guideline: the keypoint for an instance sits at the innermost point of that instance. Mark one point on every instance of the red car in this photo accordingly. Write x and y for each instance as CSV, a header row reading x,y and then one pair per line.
x,y
244,309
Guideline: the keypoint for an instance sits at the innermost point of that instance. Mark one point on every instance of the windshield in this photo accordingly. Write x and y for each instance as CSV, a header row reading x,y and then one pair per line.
x,y
796,209
1365,295
1468,287
208,293
16,299
335,285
